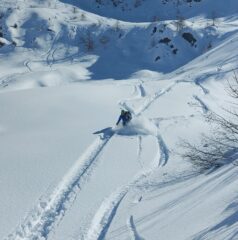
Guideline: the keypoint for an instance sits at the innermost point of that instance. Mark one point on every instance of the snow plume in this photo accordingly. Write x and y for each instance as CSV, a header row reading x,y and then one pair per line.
x,y
138,126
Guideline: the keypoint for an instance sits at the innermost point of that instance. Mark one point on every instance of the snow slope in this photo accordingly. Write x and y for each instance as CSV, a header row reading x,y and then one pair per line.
x,y
149,10
67,67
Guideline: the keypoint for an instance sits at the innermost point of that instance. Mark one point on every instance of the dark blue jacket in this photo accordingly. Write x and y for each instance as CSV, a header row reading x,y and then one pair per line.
x,y
126,117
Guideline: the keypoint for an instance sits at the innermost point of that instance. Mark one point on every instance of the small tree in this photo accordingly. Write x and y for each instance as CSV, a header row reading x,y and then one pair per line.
x,y
117,26
83,17
214,18
87,41
180,24
75,10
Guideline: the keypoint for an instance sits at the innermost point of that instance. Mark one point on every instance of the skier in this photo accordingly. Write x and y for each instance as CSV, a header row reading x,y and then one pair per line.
x,y
125,117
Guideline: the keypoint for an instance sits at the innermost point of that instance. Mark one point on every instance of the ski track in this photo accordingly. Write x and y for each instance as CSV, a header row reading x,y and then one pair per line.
x,y
104,216
204,107
153,97
163,151
41,220
6,80
204,187
198,83
139,151
50,53
26,64
150,99
141,90
139,93
132,228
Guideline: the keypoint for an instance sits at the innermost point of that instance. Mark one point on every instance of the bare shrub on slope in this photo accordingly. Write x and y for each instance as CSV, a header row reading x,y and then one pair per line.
x,y
180,24
87,41
221,146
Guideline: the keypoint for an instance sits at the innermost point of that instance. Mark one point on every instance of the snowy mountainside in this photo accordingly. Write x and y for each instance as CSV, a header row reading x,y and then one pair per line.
x,y
67,67
149,10
47,27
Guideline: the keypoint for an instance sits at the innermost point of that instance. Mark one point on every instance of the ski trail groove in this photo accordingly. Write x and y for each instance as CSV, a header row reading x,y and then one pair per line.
x,y
141,90
153,97
104,216
40,222
139,151
164,151
10,78
50,53
204,107
132,227
198,83
27,65
150,98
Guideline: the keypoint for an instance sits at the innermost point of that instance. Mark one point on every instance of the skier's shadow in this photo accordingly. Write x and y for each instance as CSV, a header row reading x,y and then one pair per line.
x,y
105,133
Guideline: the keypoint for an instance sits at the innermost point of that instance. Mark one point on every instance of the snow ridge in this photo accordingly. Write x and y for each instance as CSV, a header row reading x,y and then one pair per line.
x,y
40,222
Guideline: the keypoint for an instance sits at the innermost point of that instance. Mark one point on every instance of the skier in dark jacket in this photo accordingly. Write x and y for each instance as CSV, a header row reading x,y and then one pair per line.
x,y
125,117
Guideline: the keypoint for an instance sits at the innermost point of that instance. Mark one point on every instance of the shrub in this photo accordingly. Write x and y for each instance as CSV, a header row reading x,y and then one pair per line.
x,y
221,146
88,42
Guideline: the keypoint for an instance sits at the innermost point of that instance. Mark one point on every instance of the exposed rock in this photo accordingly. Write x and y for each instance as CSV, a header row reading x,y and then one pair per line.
x,y
189,38
157,58
165,40
2,44
175,51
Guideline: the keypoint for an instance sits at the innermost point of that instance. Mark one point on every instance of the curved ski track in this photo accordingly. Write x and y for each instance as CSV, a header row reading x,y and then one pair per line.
x,y
106,212
132,227
204,107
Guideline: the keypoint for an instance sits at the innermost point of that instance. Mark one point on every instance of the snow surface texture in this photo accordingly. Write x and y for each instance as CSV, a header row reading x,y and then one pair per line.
x,y
66,69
